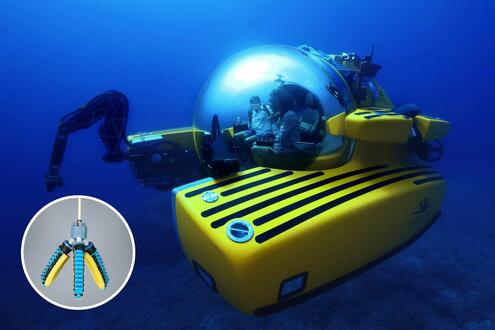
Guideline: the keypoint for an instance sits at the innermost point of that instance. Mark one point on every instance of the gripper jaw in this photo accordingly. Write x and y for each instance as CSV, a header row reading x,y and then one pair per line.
x,y
95,263
50,265
55,264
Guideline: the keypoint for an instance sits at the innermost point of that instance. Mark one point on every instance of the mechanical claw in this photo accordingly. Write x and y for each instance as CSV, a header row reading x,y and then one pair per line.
x,y
84,252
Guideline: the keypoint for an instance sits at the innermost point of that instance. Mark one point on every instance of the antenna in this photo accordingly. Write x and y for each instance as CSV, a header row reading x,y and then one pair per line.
x,y
372,52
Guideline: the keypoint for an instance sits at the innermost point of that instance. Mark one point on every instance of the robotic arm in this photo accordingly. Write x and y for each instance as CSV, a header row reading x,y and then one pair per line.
x,y
112,107
159,159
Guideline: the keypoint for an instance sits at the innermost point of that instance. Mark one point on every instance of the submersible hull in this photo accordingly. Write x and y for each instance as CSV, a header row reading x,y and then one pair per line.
x,y
309,228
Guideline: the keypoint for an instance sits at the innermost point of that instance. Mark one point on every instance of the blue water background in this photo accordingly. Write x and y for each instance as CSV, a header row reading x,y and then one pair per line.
x,y
55,55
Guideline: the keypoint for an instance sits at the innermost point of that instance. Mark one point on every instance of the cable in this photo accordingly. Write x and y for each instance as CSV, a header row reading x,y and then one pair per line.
x,y
79,208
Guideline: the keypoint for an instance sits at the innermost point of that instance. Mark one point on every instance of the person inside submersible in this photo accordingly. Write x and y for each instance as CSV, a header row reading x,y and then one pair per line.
x,y
276,129
287,133
260,125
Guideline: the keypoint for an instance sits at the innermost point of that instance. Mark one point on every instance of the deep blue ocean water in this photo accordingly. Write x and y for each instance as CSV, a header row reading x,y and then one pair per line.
x,y
55,55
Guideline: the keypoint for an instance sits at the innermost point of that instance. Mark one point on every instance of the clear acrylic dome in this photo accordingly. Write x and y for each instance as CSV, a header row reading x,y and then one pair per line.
x,y
258,72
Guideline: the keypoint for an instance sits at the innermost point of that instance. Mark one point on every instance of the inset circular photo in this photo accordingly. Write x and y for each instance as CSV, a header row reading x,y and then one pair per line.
x,y
78,252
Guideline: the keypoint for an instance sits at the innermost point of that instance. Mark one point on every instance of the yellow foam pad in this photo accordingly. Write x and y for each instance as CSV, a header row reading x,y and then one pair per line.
x,y
95,272
56,269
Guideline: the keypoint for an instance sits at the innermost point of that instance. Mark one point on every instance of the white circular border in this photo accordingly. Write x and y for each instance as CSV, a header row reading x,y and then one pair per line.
x,y
128,230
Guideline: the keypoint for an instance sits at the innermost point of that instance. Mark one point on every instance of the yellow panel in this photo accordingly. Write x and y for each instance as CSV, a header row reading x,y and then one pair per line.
x,y
227,136
431,128
336,124
378,126
231,131
184,136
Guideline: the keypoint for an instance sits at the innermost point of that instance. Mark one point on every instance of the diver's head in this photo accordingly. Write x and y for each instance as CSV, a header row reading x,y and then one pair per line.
x,y
281,100
255,102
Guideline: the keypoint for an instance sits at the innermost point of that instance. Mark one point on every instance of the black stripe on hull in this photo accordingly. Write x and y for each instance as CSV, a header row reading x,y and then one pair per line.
x,y
271,233
262,192
256,183
227,182
426,180
291,207
253,208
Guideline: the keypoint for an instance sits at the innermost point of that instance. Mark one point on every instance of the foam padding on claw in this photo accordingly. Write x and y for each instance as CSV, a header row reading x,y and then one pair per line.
x,y
95,271
55,270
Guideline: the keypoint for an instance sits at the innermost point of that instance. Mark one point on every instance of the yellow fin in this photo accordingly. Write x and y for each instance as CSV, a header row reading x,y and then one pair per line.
x,y
56,269
431,128
336,124
95,272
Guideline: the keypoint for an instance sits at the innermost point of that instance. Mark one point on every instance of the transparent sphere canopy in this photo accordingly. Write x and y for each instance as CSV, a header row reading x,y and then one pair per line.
x,y
257,72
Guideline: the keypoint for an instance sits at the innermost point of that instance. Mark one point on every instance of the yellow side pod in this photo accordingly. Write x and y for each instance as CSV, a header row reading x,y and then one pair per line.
x,y
385,126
